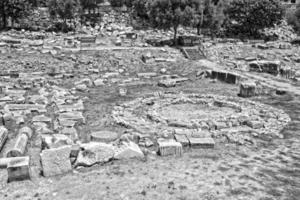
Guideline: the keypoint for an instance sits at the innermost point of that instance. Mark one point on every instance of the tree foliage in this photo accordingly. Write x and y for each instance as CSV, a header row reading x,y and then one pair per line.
x,y
247,17
293,18
120,3
208,14
64,10
140,8
13,9
170,14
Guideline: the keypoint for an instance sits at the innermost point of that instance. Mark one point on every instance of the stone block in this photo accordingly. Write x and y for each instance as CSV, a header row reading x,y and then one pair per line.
x,y
56,161
247,89
221,76
169,147
18,169
202,142
231,78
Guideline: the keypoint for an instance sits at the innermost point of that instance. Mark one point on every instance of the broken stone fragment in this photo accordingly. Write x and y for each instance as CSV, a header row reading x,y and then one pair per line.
x,y
26,130
99,82
56,140
81,87
19,120
94,153
41,118
71,132
41,128
220,125
19,147
18,169
3,136
71,116
123,92
169,147
147,74
32,107
88,82
56,161
4,161
128,151
145,142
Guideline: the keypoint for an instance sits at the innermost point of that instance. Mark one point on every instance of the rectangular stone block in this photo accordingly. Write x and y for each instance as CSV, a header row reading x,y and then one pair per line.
x,y
205,143
169,147
56,161
18,169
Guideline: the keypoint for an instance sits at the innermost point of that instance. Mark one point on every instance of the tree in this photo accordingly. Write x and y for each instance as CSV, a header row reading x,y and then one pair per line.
x,y
198,17
120,3
247,17
64,9
170,14
90,4
140,8
13,9
293,19
208,14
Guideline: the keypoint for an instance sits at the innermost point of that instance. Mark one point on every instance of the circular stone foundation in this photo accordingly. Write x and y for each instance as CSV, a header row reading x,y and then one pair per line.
x,y
238,120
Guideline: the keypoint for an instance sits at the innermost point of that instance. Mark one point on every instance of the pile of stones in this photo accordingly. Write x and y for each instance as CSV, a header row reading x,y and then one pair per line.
x,y
282,32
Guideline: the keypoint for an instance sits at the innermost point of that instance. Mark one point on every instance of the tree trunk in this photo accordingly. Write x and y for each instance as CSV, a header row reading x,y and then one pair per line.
x,y
175,35
64,27
198,29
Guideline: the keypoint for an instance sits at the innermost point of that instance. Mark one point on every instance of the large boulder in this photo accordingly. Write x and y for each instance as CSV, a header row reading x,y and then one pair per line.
x,y
56,161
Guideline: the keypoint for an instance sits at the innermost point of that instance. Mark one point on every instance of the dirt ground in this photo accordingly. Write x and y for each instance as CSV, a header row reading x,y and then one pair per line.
x,y
270,171
267,171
